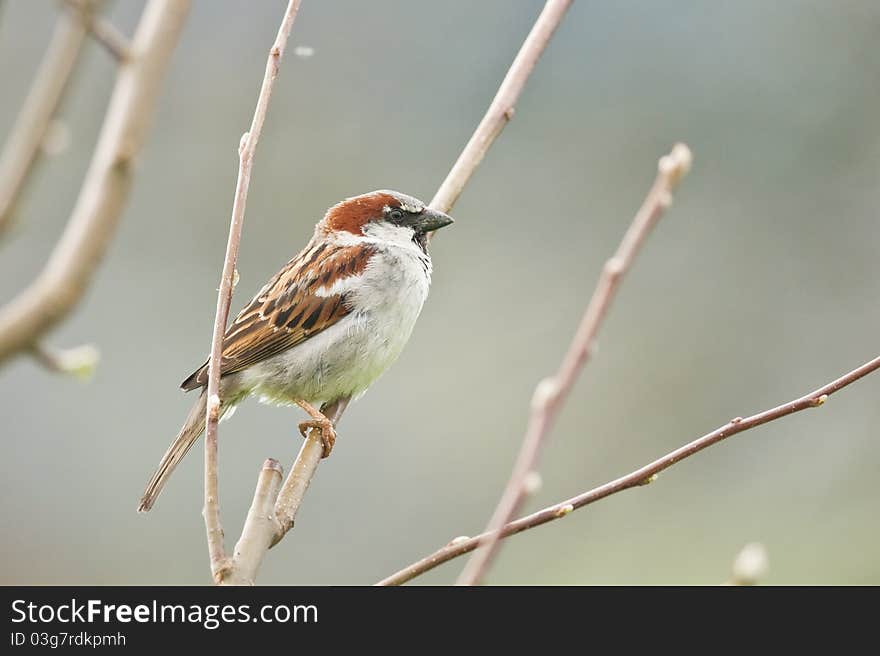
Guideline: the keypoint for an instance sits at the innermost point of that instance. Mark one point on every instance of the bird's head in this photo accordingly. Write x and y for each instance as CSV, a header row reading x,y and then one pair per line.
x,y
387,215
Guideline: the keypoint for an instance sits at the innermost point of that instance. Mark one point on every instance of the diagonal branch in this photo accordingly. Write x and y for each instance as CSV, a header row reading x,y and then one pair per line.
x,y
220,564
21,152
310,455
641,476
551,393
64,280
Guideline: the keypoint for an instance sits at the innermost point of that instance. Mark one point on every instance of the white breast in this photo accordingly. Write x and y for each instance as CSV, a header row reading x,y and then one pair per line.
x,y
346,358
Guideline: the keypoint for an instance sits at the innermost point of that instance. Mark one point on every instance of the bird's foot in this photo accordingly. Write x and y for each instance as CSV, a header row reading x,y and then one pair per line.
x,y
320,423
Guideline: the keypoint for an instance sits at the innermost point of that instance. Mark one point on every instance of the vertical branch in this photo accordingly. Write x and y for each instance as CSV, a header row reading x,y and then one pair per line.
x,y
22,148
246,150
551,393
66,276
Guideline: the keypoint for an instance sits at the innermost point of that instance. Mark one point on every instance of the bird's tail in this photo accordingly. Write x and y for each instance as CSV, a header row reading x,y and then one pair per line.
x,y
193,427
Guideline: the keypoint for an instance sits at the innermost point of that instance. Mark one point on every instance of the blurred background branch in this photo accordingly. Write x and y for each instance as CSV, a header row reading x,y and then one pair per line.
x,y
551,393
78,361
63,282
103,31
22,148
642,476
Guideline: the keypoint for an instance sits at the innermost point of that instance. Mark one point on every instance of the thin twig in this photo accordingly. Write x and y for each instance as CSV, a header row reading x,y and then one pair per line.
x,y
22,149
551,393
103,31
639,477
247,147
67,274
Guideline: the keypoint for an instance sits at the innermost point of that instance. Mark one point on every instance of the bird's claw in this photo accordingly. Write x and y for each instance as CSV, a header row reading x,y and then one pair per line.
x,y
328,433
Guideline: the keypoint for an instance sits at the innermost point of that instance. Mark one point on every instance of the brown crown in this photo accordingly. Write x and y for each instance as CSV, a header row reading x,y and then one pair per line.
x,y
353,214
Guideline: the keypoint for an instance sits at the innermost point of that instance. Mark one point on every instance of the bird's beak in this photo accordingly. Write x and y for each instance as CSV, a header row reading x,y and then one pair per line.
x,y
430,220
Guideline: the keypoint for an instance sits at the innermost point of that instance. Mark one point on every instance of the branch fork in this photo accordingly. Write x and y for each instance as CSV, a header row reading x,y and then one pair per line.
x,y
62,283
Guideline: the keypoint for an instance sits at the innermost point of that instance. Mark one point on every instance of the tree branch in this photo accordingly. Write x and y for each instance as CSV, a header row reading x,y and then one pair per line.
x,y
551,393
273,512
221,567
102,30
78,361
641,476
22,149
260,526
303,470
67,274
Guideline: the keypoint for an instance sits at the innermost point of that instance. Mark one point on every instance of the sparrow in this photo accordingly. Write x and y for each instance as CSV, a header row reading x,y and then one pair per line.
x,y
327,325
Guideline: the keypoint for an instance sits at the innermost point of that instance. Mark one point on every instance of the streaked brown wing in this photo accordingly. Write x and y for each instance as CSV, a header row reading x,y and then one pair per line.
x,y
287,311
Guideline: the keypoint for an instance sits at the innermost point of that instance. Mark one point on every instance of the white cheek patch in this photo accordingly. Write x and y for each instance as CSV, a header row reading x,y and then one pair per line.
x,y
386,232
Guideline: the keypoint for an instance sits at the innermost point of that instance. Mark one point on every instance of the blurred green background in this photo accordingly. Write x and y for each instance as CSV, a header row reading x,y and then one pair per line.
x,y
760,284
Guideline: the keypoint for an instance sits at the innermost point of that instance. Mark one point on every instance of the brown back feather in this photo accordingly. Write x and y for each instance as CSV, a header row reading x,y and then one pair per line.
x,y
287,311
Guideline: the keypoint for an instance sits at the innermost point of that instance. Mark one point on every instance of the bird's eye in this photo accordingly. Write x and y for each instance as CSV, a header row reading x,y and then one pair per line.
x,y
395,215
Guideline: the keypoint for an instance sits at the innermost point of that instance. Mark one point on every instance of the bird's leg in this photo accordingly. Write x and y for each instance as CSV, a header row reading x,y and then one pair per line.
x,y
321,423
